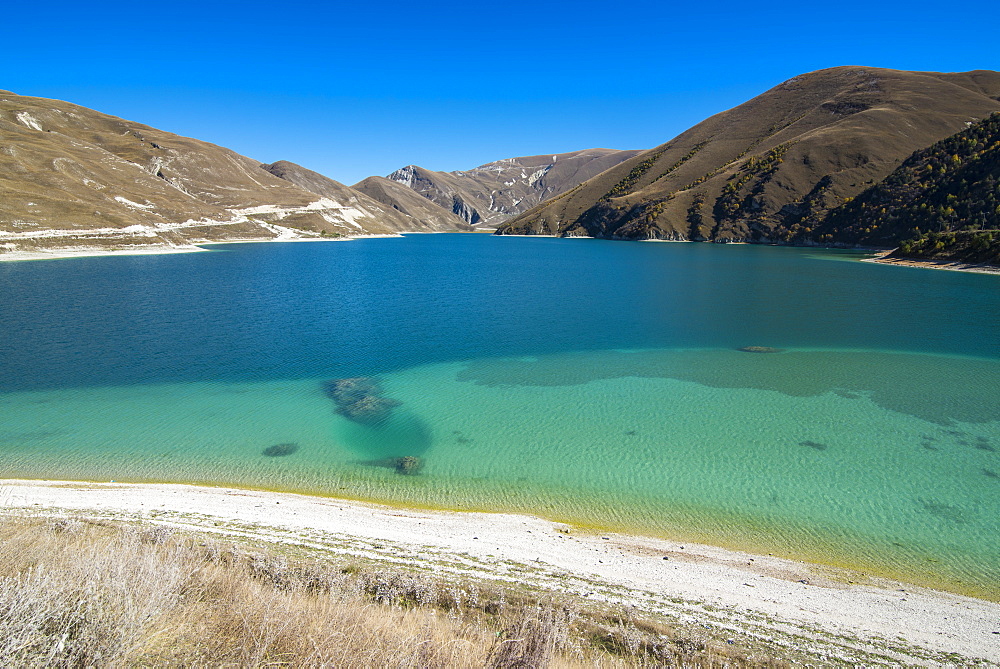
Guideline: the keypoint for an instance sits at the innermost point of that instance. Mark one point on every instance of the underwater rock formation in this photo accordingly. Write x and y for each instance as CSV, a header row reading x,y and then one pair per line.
x,y
814,445
408,464
760,349
360,399
279,450
347,391
369,409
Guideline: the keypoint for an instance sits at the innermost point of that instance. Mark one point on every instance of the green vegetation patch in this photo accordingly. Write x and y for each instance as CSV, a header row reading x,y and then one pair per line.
x,y
943,202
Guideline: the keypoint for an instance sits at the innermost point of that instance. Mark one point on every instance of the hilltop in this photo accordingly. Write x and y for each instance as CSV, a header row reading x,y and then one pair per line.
x,y
767,170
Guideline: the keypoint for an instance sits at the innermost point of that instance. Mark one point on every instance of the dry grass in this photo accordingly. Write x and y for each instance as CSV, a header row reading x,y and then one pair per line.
x,y
87,593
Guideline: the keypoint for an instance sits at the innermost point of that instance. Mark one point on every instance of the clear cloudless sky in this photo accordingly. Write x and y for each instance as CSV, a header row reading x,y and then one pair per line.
x,y
354,89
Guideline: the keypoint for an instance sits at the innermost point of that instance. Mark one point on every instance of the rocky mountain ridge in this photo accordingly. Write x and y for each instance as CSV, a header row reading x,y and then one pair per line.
x,y
775,169
490,194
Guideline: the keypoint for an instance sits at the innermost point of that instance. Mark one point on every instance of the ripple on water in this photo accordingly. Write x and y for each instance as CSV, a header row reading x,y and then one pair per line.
x,y
825,458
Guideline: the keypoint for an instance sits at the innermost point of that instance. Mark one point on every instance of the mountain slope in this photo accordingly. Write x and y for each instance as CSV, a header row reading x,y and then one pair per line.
x,y
492,193
769,168
943,201
409,202
387,216
71,177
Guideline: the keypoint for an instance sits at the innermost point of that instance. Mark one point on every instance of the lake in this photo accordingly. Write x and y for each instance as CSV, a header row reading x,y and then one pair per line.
x,y
592,382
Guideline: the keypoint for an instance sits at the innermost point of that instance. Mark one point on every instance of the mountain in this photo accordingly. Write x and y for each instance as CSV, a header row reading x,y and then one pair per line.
x,y
769,169
490,194
410,203
388,216
74,177
942,201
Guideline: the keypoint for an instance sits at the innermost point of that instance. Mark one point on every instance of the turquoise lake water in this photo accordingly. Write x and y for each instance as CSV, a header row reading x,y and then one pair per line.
x,y
592,382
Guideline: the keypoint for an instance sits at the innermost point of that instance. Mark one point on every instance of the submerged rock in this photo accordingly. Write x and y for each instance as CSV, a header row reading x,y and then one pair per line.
x,y
947,511
760,349
408,464
461,438
346,391
360,399
279,450
814,445
369,409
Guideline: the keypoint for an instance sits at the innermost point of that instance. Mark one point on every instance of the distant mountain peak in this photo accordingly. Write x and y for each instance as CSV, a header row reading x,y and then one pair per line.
x,y
493,192
404,175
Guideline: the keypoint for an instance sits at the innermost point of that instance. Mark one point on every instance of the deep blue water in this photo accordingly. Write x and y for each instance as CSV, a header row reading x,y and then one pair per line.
x,y
266,311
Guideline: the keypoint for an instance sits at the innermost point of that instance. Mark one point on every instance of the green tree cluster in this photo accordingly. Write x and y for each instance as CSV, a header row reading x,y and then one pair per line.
x,y
686,157
625,186
733,204
695,220
967,246
952,186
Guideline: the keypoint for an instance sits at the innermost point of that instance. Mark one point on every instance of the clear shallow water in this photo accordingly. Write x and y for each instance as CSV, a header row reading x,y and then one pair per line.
x,y
591,382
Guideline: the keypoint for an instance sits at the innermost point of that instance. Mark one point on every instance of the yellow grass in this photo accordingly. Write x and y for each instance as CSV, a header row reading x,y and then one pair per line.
x,y
93,593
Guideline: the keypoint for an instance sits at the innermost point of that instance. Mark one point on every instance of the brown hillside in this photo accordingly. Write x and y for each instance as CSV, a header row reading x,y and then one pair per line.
x,y
426,213
71,176
776,162
388,216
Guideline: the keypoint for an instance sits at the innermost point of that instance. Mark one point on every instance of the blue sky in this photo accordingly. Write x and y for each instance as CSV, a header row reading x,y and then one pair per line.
x,y
361,89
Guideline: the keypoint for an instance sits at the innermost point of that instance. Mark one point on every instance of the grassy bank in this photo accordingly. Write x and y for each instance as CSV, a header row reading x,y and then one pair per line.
x,y
94,592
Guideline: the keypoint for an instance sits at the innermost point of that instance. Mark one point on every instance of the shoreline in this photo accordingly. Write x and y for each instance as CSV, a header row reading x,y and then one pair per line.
x,y
91,252
724,587
57,253
880,255
882,258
